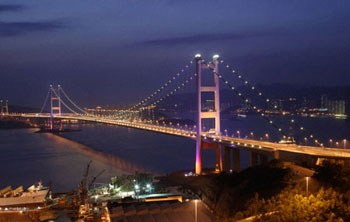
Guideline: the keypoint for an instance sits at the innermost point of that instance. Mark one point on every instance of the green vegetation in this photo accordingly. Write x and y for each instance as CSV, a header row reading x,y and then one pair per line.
x,y
126,183
265,179
226,193
329,199
291,205
332,174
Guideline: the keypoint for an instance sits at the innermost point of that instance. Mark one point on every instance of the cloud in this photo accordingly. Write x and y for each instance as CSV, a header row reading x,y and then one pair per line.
x,y
10,8
8,29
201,38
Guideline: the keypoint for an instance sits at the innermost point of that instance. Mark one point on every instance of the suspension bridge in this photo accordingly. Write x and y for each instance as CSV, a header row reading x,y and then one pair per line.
x,y
225,146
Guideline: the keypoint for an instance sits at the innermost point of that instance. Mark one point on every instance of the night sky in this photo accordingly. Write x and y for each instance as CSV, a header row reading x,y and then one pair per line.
x,y
117,51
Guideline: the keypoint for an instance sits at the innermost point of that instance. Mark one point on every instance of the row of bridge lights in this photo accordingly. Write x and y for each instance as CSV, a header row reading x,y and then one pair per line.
x,y
260,94
240,94
180,86
265,137
249,103
191,132
164,86
181,132
233,88
251,134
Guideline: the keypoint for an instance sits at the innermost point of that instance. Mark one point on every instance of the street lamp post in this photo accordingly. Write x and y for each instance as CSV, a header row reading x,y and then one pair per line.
x,y
195,211
307,186
267,136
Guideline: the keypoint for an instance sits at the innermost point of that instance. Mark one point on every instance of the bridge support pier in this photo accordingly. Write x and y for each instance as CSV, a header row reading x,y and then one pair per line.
x,y
218,165
227,159
253,159
236,160
276,155
263,159
198,156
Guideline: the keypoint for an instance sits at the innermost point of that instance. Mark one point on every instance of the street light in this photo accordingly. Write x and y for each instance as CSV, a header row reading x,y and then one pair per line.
x,y
307,186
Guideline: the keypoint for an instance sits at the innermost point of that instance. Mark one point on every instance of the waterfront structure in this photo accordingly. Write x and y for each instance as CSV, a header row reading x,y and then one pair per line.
x,y
338,108
35,197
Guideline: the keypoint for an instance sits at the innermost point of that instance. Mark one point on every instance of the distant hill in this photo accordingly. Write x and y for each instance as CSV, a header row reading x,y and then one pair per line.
x,y
309,96
23,109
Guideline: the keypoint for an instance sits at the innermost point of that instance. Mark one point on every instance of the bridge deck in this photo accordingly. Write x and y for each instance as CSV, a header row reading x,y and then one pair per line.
x,y
225,140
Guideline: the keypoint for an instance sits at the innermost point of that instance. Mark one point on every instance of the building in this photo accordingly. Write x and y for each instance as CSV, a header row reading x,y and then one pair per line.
x,y
336,107
347,102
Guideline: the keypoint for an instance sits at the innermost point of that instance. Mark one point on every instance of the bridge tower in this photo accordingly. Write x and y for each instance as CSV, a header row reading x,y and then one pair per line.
x,y
7,107
4,110
55,104
207,115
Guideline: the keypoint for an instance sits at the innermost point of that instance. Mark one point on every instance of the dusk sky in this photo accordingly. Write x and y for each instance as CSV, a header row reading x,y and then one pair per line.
x,y
117,51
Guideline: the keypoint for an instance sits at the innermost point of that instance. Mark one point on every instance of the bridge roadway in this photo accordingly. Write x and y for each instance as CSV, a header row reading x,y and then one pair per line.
x,y
252,145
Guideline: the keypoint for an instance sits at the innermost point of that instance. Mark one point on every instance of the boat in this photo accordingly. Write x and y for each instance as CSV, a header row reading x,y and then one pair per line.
x,y
34,198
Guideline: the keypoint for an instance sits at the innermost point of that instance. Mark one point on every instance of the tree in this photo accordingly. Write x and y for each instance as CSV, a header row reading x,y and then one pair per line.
x,y
333,174
291,206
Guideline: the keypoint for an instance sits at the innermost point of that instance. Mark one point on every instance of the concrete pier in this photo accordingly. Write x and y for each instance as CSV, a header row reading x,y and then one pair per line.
x,y
236,160
227,159
218,159
263,159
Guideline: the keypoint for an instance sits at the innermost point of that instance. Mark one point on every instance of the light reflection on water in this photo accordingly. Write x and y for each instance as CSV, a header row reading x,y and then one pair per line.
x,y
27,157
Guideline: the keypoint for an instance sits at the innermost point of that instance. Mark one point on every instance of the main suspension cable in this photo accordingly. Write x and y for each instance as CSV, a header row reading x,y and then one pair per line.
x,y
164,86
47,97
71,101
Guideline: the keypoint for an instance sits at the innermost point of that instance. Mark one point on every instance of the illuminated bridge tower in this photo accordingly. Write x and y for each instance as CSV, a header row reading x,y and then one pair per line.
x,y
7,107
55,104
4,110
215,114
